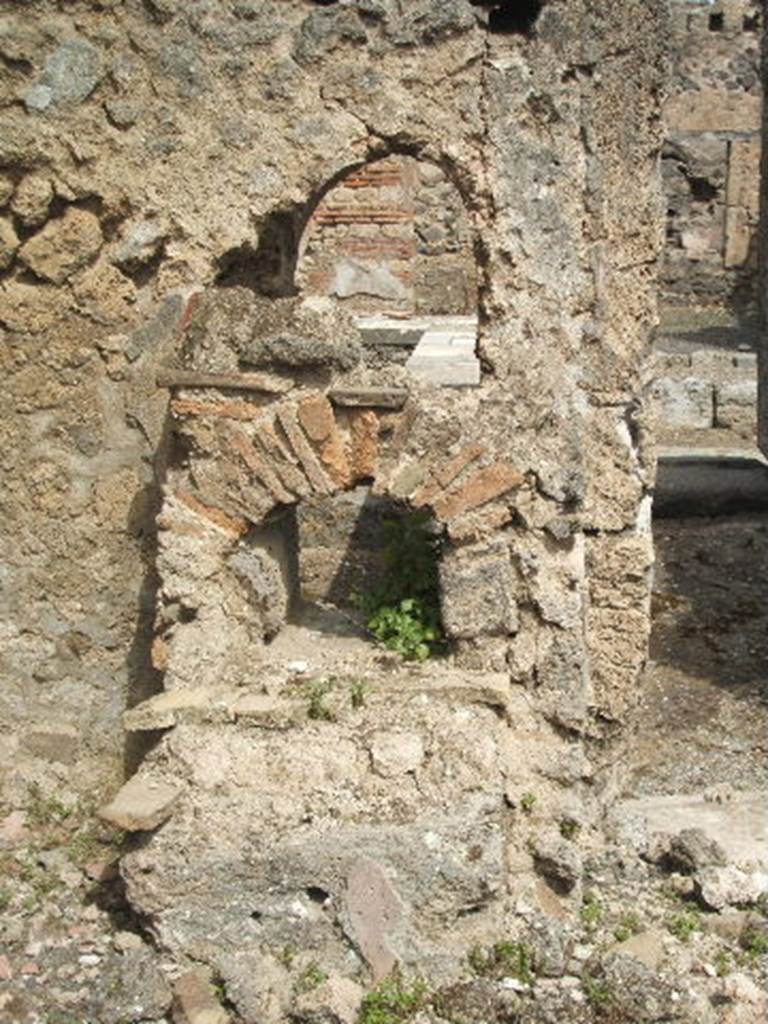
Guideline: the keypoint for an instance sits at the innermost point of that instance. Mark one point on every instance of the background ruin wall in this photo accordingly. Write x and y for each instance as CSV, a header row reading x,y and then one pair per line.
x,y
711,157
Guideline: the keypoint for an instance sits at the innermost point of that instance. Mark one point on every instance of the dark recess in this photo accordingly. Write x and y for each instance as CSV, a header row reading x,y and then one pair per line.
x,y
511,17
716,23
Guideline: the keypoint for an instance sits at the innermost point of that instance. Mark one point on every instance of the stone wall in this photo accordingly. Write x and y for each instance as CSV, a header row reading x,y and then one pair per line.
x,y
154,150
712,155
392,237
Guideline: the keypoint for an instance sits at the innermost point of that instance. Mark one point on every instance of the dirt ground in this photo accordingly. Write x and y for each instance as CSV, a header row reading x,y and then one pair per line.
x,y
704,714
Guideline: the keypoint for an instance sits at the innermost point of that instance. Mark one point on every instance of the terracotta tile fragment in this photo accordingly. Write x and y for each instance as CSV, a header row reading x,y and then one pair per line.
x,y
303,451
244,447
364,428
234,409
485,485
226,522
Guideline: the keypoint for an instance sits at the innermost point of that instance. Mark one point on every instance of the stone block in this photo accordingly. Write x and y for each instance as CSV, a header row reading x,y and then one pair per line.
x,y
736,406
141,805
396,753
713,110
683,403
373,909
336,1001
477,597
364,431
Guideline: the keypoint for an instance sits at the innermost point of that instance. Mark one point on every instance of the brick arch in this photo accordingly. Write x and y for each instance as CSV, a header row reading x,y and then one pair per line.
x,y
274,451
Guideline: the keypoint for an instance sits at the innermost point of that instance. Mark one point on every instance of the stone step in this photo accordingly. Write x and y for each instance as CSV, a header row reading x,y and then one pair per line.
x,y
297,699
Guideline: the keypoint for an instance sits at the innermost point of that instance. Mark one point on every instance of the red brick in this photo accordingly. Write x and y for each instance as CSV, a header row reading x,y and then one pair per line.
x,y
233,410
484,486
316,416
230,524
303,451
244,447
450,470
364,428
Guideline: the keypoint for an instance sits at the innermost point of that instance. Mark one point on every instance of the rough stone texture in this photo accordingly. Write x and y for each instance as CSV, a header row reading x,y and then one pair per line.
x,y
127,562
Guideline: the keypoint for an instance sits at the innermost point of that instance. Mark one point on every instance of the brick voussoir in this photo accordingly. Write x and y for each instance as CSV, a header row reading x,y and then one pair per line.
x,y
303,451
487,484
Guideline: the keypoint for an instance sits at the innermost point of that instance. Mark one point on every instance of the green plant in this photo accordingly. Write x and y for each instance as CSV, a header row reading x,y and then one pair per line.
x,y
591,912
598,991
723,963
528,802
393,1001
754,941
628,926
358,691
310,978
684,924
569,829
44,811
317,692
503,959
5,898
403,612
286,956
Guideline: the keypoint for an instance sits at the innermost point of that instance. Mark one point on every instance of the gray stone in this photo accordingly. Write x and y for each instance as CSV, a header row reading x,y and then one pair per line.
x,y
323,31
71,74
53,742
478,597
559,861
719,887
121,112
375,280
691,850
131,987
683,403
312,333
139,245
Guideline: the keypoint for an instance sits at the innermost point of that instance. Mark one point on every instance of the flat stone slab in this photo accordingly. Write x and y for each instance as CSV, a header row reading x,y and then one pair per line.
x,y
141,805
738,824
710,482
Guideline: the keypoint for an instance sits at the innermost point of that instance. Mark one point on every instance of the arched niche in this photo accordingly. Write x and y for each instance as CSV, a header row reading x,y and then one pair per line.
x,y
391,241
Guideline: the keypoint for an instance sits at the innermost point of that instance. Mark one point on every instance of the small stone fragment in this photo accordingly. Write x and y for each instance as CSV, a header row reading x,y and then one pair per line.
x,y
647,947
63,246
9,243
32,200
194,1001
336,1001
691,850
142,804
